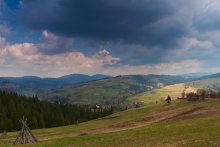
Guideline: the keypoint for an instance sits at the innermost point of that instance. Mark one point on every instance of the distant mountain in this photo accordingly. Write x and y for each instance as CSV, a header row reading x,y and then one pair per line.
x,y
84,89
80,78
31,85
112,90
196,75
216,75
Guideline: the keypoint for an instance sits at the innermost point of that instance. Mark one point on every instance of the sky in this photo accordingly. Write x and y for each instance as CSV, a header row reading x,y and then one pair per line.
x,y
51,38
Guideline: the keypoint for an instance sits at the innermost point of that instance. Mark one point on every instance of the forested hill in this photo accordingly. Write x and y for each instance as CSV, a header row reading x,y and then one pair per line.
x,y
42,114
112,90
31,85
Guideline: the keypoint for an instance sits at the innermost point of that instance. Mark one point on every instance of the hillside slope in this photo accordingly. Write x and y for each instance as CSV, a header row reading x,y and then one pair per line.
x,y
181,123
158,95
112,90
209,84
210,76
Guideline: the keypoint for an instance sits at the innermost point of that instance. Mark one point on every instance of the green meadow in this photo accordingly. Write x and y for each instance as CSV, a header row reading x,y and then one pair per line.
x,y
181,123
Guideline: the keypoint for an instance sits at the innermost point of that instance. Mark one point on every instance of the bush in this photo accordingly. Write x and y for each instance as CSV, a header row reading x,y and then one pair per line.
x,y
192,96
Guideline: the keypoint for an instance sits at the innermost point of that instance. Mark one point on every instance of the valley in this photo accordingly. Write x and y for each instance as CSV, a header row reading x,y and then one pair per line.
x,y
113,91
180,123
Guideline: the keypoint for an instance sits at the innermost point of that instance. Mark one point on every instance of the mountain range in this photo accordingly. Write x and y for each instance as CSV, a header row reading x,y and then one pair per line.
x,y
31,85
112,90
85,89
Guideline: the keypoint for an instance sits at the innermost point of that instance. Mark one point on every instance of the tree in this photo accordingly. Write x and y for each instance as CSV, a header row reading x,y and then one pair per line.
x,y
59,119
202,93
168,100
213,94
137,105
183,94
192,96
43,114
34,123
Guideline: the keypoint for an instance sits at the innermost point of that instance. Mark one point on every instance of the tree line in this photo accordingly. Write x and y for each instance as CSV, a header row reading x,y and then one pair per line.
x,y
201,94
43,114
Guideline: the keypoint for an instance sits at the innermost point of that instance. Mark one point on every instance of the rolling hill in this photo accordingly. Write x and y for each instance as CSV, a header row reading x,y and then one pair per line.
x,y
174,91
210,76
197,75
84,89
208,84
112,90
30,85
181,123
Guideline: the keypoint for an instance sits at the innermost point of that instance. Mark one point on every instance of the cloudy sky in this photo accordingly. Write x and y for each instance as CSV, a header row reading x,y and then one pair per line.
x,y
50,38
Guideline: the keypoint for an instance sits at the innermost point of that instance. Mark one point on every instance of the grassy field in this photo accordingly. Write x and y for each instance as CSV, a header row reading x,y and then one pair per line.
x,y
181,123
178,124
174,91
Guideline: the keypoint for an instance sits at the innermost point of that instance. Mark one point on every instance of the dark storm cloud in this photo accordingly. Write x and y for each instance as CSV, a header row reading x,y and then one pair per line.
x,y
208,22
137,35
129,21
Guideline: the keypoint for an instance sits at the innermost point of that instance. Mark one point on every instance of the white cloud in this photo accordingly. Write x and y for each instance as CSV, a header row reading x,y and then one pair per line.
x,y
52,44
186,66
26,57
197,51
49,35
105,57
2,41
192,47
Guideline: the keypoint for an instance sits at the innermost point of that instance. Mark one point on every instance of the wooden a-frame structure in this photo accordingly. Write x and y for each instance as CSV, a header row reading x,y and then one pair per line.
x,y
25,136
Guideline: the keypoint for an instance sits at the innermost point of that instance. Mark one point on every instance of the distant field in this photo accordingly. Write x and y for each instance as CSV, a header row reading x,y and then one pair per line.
x,y
154,96
212,84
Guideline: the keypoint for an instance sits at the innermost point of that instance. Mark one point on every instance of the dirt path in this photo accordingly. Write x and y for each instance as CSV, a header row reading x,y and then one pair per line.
x,y
148,120
155,118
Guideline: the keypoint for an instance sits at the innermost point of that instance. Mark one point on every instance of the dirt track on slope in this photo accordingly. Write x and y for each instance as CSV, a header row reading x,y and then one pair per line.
x,y
154,117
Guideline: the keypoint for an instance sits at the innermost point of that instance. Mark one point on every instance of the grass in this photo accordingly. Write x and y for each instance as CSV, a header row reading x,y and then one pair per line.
x,y
174,91
192,131
143,126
